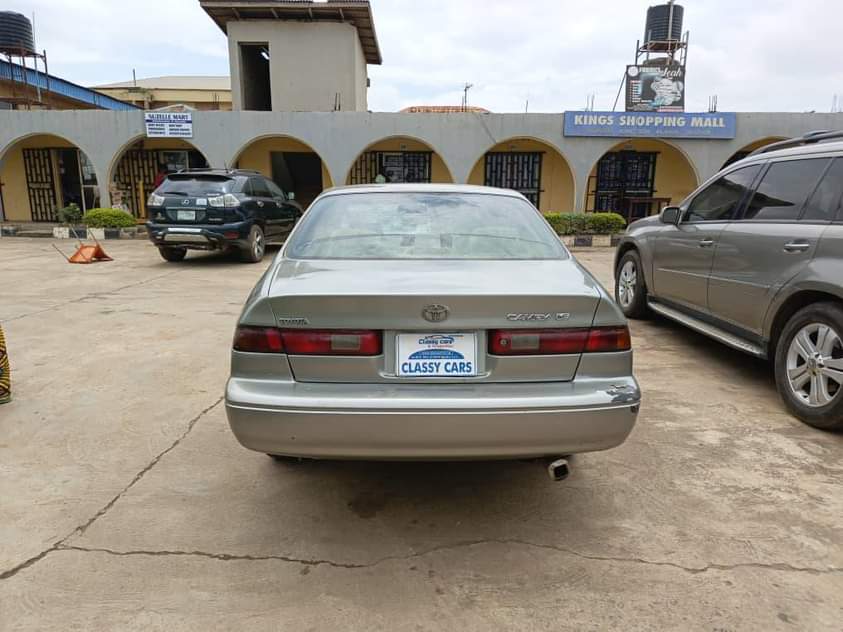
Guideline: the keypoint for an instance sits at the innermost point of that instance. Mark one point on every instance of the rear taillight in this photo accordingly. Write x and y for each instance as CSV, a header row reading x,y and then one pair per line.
x,y
332,342
329,342
510,342
258,340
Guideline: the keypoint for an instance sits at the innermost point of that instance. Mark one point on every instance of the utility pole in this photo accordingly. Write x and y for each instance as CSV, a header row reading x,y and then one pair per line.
x,y
466,88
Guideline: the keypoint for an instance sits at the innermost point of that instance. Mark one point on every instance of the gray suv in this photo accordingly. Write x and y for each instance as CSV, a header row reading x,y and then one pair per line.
x,y
754,259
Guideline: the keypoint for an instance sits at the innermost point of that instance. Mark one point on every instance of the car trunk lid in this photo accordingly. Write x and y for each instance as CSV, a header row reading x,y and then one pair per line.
x,y
401,298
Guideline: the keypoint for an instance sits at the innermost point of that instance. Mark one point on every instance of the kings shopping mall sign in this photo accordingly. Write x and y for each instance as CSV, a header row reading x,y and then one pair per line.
x,y
718,125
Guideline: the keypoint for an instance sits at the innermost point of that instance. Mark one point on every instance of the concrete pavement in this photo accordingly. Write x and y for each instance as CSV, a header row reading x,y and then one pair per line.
x,y
127,504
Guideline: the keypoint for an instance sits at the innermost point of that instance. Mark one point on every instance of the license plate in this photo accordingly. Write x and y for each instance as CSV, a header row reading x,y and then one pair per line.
x,y
436,355
186,216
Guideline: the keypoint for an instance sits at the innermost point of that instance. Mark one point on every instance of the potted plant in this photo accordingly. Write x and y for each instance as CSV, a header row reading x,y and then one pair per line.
x,y
71,217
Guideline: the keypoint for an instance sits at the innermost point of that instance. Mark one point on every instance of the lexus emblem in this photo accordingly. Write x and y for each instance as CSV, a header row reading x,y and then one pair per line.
x,y
185,203
436,313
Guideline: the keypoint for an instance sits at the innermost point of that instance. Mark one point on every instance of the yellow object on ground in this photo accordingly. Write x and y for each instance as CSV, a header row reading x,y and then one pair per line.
x,y
5,372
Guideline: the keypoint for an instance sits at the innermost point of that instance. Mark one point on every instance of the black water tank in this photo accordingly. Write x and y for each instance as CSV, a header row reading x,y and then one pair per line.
x,y
16,33
664,22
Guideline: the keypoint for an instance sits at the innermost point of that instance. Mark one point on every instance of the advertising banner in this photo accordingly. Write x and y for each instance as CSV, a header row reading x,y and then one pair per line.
x,y
655,88
169,125
717,125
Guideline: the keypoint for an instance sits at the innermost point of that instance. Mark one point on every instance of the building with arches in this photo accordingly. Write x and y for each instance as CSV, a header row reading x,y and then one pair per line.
x,y
299,84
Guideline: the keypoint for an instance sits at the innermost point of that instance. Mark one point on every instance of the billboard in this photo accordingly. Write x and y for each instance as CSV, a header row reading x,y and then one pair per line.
x,y
655,88
717,125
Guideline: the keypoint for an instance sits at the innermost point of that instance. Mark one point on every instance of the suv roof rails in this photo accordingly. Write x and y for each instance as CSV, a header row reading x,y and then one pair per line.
x,y
810,138
250,172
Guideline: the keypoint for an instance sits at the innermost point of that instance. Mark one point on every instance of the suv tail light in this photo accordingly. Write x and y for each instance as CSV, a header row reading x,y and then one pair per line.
x,y
513,342
229,200
329,342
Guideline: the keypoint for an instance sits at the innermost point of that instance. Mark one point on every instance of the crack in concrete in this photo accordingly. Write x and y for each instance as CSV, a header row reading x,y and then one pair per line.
x,y
88,297
450,547
80,529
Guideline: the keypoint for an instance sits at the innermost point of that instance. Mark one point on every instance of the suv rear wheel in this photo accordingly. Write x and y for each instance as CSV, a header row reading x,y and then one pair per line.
x,y
630,290
809,365
173,254
257,246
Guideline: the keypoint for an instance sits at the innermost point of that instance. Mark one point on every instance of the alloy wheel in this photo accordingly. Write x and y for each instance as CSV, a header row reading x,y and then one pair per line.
x,y
257,245
815,365
627,280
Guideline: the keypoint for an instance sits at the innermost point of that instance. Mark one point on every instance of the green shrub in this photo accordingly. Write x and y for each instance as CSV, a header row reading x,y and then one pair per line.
x,y
606,223
586,223
70,214
108,218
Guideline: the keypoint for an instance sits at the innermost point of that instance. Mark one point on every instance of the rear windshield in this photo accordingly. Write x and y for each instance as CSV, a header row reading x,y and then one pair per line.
x,y
424,226
193,185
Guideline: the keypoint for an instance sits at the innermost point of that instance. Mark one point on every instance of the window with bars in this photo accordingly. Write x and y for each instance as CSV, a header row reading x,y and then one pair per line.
x,y
518,170
393,166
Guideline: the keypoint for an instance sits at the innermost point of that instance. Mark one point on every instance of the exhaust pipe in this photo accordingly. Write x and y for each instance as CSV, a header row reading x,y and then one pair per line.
x,y
558,470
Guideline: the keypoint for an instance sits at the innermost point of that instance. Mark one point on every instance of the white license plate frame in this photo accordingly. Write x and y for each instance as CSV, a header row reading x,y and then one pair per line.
x,y
435,354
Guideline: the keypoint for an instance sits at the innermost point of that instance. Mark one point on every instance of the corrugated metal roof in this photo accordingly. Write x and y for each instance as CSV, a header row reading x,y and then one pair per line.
x,y
175,82
356,12
443,109
14,72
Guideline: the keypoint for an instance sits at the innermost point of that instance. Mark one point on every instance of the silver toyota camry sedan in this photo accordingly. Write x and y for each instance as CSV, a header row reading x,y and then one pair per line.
x,y
429,322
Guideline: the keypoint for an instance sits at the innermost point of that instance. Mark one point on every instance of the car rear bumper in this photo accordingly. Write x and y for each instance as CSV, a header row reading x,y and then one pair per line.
x,y
431,422
216,237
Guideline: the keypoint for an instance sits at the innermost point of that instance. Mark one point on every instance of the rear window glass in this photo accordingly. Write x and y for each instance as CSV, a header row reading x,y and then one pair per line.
x,y
823,205
784,188
191,186
424,226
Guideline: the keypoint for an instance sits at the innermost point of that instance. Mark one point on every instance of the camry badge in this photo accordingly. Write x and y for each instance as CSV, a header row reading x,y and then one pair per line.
x,y
436,313
537,318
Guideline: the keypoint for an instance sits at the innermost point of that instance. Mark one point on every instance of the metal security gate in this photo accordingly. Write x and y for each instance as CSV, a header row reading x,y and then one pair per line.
x,y
392,166
518,170
625,184
135,178
40,183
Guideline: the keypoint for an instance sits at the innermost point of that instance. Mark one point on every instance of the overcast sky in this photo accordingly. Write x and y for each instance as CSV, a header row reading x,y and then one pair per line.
x,y
776,55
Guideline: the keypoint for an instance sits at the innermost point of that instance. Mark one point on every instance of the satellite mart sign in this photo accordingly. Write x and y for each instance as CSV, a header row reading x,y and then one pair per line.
x,y
719,125
169,125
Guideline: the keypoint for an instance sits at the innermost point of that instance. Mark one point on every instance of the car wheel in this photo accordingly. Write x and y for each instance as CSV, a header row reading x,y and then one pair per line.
x,y
630,289
173,254
809,365
257,246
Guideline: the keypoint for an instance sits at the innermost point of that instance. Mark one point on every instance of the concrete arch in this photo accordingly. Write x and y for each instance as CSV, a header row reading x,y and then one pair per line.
x,y
130,189
295,165
74,177
558,182
747,149
676,176
441,171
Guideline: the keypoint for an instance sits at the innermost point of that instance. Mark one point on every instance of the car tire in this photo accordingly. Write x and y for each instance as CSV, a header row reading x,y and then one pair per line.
x,y
630,288
809,365
173,255
257,246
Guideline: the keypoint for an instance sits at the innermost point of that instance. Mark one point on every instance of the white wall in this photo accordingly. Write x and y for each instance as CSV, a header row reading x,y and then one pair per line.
x,y
309,63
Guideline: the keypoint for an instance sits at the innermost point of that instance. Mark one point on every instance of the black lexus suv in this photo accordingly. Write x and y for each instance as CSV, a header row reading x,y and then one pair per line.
x,y
218,209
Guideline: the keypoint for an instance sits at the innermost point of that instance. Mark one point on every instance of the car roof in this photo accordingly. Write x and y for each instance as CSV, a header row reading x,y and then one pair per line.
x,y
422,188
792,152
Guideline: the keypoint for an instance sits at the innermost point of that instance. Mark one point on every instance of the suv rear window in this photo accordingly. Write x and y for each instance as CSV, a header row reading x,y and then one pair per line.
x,y
191,185
784,189
424,226
823,205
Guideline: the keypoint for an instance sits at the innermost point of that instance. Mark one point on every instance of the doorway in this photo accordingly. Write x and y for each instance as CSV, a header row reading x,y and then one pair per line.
x,y
299,173
624,184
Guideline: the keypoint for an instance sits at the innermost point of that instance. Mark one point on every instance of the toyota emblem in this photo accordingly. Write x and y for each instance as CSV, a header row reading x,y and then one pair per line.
x,y
436,313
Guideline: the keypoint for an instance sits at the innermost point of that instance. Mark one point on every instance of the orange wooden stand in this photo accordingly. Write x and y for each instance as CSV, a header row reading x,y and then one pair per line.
x,y
89,254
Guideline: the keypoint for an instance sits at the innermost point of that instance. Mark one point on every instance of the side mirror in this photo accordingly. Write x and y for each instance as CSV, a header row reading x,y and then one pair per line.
x,y
291,197
671,215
